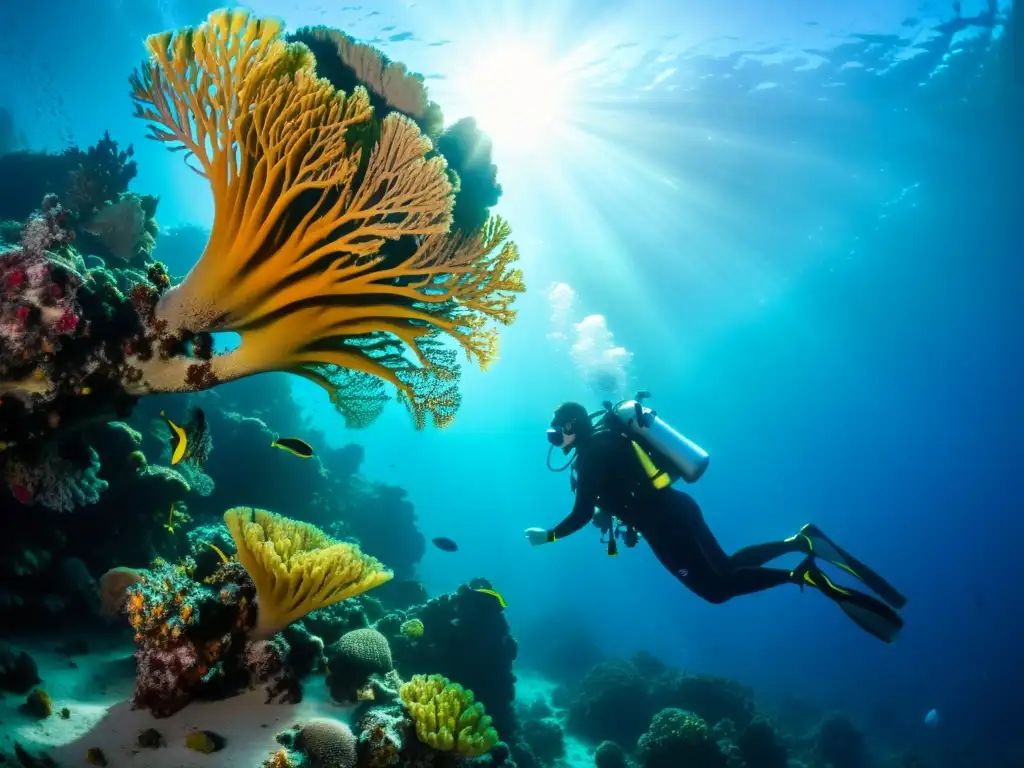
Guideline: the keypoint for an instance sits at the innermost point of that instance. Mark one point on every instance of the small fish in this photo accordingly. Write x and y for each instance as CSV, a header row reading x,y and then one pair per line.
x,y
497,595
932,718
445,544
191,441
295,446
219,551
170,520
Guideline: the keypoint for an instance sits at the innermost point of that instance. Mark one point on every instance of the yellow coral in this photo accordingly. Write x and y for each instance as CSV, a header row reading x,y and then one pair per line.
x,y
446,716
296,567
298,261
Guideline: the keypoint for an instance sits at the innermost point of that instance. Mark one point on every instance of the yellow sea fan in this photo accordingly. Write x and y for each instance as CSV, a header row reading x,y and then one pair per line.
x,y
296,567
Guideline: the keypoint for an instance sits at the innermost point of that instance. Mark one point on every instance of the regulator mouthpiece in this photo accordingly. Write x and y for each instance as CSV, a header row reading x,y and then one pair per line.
x,y
556,437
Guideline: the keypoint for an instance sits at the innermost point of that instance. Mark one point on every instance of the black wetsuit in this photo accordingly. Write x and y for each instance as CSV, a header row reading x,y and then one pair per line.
x,y
611,477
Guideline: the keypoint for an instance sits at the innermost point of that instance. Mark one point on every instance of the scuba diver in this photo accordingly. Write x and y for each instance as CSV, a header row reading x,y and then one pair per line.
x,y
626,459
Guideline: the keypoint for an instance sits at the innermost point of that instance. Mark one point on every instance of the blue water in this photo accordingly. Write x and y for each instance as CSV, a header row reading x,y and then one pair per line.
x,y
802,224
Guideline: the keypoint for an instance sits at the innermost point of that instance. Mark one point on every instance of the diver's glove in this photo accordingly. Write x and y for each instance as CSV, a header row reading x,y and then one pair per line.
x,y
537,536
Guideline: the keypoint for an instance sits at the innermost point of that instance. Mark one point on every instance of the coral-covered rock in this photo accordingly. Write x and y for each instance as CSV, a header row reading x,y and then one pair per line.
x,y
18,671
761,745
610,755
677,738
611,702
466,637
838,742
713,698
545,738
192,640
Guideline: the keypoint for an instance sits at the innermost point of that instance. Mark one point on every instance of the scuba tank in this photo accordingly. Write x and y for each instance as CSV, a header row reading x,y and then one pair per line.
x,y
684,458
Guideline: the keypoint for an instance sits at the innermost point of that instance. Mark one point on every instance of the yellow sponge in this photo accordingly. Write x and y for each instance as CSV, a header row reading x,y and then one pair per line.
x,y
446,716
296,567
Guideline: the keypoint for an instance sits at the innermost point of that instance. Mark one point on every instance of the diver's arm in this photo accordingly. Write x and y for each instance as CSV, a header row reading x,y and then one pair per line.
x,y
582,513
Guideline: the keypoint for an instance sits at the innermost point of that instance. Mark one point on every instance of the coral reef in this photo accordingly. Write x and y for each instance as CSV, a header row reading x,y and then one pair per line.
x,y
90,322
466,637
215,637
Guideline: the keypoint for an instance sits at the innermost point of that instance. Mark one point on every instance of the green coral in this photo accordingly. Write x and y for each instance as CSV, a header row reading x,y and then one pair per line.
x,y
446,716
412,629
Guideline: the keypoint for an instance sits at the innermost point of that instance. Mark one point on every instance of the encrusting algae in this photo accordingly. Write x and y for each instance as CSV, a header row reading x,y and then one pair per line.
x,y
311,196
446,716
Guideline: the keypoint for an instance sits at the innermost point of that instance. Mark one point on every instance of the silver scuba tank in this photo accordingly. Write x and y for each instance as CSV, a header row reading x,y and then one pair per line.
x,y
688,458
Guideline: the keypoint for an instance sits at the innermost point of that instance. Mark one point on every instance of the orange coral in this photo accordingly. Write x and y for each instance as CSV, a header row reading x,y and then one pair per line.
x,y
298,261
390,80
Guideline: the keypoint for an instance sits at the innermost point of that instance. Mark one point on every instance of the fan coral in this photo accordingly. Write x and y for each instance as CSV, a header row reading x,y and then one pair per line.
x,y
446,716
298,261
296,567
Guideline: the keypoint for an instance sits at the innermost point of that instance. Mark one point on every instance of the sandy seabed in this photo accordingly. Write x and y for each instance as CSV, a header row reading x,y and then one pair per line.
x,y
96,689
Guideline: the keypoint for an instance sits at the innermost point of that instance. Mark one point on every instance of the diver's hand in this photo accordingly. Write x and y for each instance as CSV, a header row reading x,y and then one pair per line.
x,y
537,536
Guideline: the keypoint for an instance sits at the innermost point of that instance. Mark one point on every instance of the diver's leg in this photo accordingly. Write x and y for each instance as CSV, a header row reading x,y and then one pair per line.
x,y
759,554
687,548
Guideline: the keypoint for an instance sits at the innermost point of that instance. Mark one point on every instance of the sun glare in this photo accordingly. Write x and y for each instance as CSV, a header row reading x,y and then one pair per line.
x,y
519,95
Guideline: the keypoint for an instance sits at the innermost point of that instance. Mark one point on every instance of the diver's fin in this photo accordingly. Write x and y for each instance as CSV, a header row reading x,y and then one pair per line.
x,y
870,613
822,546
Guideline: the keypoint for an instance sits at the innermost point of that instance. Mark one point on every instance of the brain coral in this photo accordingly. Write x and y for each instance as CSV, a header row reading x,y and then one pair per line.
x,y
327,743
357,655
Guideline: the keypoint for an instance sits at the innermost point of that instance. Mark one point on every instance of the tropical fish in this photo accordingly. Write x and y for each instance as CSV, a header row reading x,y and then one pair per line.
x,y
497,595
295,446
191,442
445,544
219,551
169,525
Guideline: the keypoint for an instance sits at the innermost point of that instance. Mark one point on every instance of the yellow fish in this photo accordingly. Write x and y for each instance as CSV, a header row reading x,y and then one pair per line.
x,y
219,551
179,440
189,442
170,520
294,446
497,595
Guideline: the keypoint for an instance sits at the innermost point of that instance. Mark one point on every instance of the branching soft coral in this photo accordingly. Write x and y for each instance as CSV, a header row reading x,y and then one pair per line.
x,y
296,567
297,262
